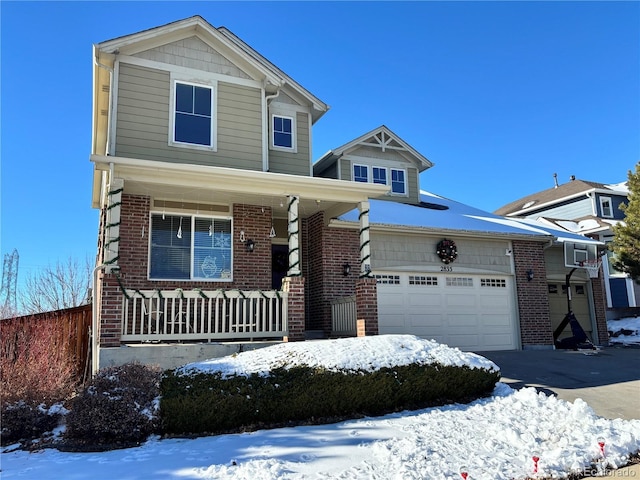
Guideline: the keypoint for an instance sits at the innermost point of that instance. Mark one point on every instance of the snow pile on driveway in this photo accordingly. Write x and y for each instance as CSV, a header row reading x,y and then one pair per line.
x,y
625,331
346,354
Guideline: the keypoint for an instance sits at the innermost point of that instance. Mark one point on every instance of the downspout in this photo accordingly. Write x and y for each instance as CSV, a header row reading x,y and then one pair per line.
x,y
110,107
265,143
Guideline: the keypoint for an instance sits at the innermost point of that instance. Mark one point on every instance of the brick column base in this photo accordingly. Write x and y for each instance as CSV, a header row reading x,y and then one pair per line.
x,y
294,287
366,307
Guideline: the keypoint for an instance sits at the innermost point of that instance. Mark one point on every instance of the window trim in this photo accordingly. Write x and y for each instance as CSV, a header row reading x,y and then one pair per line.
x,y
212,86
405,181
370,167
191,222
294,137
353,172
602,201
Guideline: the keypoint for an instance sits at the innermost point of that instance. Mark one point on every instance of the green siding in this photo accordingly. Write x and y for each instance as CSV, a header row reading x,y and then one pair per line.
x,y
294,163
142,129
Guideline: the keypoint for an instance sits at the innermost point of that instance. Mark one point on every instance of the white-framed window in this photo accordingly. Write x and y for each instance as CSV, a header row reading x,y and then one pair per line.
x,y
360,173
606,207
283,132
459,282
398,181
192,119
493,282
379,175
388,279
190,247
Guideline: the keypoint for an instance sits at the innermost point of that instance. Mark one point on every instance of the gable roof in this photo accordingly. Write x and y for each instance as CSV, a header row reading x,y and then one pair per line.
x,y
257,65
382,138
560,193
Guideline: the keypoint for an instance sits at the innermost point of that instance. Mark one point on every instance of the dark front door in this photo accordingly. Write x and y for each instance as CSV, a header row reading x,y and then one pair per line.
x,y
279,265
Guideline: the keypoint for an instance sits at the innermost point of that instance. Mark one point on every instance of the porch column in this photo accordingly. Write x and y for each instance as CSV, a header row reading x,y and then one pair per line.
x,y
294,288
112,224
294,243
365,250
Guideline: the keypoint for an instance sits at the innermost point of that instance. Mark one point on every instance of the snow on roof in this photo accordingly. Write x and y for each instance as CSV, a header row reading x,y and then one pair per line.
x,y
622,187
346,354
436,212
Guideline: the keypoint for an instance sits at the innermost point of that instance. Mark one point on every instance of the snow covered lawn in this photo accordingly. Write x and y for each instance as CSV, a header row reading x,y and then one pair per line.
x,y
493,438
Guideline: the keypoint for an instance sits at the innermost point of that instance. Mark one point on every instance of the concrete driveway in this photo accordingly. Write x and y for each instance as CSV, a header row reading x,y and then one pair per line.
x,y
609,380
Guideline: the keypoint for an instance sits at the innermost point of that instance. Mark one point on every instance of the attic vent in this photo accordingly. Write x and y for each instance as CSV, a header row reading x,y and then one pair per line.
x,y
103,113
433,206
105,88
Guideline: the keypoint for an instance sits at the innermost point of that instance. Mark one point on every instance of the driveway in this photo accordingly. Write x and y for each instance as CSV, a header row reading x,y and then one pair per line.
x,y
609,380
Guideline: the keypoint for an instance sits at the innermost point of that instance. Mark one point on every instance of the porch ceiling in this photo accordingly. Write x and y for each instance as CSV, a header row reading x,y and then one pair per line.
x,y
219,185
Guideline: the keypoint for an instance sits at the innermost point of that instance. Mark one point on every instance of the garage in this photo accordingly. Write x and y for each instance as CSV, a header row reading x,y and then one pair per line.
x,y
579,305
471,312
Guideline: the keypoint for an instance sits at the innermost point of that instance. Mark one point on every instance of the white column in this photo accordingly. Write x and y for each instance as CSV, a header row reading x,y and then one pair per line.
x,y
365,250
294,232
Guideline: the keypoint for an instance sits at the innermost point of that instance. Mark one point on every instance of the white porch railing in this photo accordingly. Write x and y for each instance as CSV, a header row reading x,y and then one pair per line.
x,y
343,316
153,315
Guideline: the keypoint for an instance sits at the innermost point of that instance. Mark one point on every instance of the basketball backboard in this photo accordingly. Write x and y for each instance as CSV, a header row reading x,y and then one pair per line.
x,y
580,254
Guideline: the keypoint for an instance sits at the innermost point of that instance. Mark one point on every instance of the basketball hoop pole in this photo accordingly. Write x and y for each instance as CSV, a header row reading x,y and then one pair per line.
x,y
567,285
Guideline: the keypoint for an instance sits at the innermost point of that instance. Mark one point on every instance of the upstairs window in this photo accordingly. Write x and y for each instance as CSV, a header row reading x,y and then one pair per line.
x,y
398,182
380,175
283,132
360,173
185,247
605,207
193,121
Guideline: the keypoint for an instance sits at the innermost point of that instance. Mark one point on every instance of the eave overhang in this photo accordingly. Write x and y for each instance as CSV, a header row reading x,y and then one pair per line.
x,y
201,183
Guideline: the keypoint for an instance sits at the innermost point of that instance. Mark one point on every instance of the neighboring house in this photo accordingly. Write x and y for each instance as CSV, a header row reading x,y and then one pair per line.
x,y
587,208
218,233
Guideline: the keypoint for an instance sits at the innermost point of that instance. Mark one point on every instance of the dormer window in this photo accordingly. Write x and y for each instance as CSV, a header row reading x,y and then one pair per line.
x,y
398,182
380,175
394,177
283,130
360,173
192,117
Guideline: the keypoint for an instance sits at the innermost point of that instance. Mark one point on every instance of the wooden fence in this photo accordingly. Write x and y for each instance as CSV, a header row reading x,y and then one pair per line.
x,y
71,329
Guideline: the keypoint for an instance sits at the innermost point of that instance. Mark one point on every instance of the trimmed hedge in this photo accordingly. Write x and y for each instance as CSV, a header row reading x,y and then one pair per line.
x,y
207,403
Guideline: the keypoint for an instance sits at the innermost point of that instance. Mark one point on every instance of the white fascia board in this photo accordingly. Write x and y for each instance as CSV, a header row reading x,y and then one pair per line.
x,y
232,179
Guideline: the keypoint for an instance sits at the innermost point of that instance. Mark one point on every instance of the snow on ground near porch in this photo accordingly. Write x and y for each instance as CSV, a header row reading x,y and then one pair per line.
x,y
351,354
495,438
629,326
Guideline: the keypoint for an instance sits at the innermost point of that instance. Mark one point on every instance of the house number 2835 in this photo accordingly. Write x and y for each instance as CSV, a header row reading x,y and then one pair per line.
x,y
446,268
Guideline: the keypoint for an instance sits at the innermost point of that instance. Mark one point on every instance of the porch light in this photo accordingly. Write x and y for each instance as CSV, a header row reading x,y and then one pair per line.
x,y
529,275
346,269
250,245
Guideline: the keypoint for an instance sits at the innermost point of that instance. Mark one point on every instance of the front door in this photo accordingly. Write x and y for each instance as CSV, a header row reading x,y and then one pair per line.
x,y
279,265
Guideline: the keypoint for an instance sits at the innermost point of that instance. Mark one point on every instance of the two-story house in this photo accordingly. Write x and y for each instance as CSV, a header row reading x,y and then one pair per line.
x,y
217,231
587,208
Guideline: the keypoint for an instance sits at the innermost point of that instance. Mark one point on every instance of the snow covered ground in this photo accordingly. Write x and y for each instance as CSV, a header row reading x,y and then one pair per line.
x,y
494,438
630,326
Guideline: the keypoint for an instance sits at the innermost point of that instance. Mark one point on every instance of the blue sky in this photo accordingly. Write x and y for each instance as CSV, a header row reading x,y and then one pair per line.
x,y
499,95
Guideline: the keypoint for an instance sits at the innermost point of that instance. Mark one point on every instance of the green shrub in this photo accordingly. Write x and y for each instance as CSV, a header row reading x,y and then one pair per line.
x,y
204,403
117,408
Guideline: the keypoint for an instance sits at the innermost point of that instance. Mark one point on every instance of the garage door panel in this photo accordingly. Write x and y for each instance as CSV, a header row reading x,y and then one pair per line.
x,y
428,320
495,320
472,312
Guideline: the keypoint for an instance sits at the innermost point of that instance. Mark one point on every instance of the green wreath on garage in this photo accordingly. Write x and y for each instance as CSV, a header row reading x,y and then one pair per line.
x,y
447,250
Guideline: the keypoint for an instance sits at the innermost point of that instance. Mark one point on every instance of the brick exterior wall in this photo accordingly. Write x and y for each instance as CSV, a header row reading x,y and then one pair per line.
x,y
294,286
533,296
251,270
367,306
327,250
600,307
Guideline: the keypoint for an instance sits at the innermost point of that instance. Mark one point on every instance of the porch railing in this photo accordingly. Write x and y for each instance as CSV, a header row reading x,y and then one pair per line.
x,y
177,315
343,316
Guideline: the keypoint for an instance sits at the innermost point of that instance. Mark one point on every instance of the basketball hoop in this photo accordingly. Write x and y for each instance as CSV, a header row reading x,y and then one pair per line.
x,y
592,266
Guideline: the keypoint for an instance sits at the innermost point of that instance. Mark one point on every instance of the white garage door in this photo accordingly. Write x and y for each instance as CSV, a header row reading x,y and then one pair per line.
x,y
472,312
